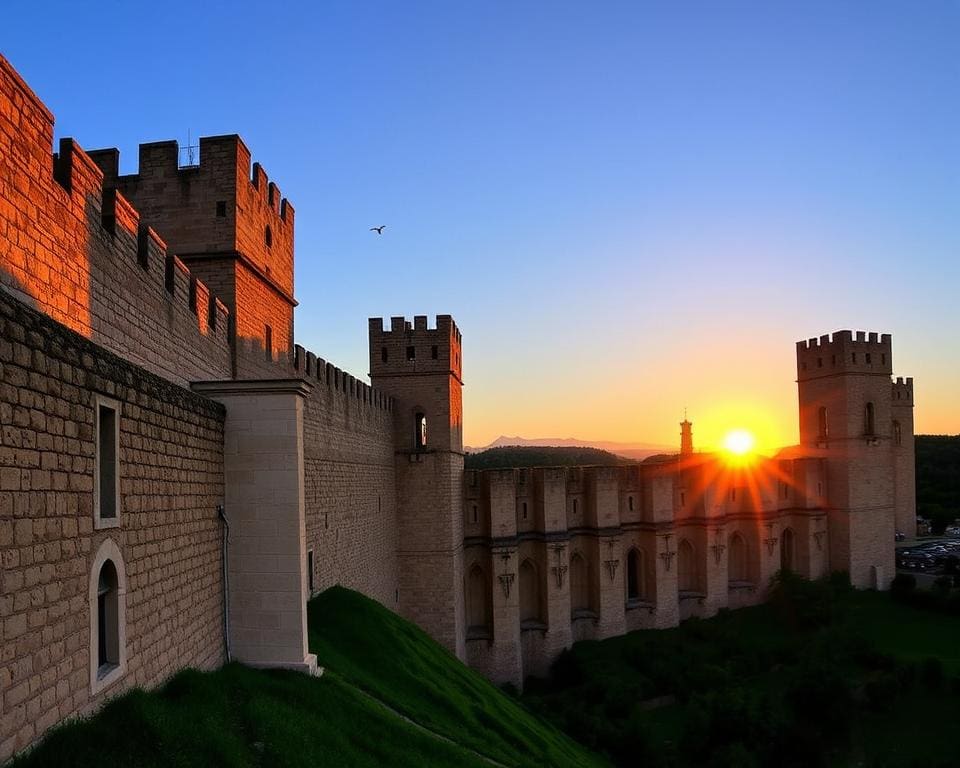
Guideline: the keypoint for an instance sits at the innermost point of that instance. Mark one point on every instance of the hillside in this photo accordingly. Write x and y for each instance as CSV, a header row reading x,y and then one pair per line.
x,y
541,456
938,478
820,675
389,696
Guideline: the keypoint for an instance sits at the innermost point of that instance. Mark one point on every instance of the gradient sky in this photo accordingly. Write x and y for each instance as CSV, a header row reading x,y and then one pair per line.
x,y
628,207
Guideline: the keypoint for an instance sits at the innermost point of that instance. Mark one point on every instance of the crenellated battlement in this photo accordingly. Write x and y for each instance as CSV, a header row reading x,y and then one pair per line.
x,y
82,252
220,206
316,369
844,352
415,347
902,392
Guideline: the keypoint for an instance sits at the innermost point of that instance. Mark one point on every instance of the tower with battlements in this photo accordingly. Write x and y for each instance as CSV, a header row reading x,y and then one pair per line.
x,y
421,368
847,415
231,227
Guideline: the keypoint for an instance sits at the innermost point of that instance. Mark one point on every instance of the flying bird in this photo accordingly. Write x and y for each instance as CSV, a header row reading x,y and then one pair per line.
x,y
378,230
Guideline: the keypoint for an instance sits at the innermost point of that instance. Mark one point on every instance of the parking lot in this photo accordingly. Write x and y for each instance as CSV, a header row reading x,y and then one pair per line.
x,y
929,556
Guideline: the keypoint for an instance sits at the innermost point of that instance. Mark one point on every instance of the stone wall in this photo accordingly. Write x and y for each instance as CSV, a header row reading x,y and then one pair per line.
x,y
78,253
579,527
169,536
349,480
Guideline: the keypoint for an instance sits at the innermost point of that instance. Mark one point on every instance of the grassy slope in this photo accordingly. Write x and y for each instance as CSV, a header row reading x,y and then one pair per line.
x,y
243,717
417,677
756,648
907,632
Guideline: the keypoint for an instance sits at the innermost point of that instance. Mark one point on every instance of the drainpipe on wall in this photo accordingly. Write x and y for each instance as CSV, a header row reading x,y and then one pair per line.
x,y
226,583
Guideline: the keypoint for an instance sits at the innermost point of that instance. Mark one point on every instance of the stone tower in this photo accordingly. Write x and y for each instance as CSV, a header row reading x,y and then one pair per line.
x,y
846,416
904,459
231,227
686,437
421,368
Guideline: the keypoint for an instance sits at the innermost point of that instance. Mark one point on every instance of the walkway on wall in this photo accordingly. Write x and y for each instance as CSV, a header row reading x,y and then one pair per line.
x,y
418,726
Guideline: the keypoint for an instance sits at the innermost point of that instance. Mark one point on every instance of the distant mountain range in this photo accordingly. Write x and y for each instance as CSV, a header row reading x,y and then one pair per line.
x,y
628,450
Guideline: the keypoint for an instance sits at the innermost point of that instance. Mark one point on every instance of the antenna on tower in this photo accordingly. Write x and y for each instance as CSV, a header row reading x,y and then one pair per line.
x,y
188,154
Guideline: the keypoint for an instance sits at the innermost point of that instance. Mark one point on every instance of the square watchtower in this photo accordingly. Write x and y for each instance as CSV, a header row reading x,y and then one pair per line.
x,y
232,228
850,417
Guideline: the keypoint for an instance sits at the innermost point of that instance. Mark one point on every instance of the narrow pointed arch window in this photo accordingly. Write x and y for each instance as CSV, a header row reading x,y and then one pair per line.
x,y
823,427
869,421
688,575
477,600
737,559
530,602
897,433
787,557
636,582
420,431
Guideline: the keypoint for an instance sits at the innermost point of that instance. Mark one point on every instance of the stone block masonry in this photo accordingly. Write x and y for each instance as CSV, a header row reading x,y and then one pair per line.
x,y
170,479
77,251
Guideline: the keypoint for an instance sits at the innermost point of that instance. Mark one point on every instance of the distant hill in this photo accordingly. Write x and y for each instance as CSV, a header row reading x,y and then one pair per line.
x,y
629,450
510,456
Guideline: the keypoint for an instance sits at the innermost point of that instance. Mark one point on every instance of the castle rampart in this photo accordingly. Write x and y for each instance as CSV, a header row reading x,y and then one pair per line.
x,y
166,542
79,253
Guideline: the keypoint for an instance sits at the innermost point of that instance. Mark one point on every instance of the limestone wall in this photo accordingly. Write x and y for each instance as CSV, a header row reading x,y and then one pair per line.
x,y
349,482
168,537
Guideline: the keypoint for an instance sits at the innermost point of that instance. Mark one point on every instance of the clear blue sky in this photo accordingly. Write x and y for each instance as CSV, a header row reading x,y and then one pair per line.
x,y
628,207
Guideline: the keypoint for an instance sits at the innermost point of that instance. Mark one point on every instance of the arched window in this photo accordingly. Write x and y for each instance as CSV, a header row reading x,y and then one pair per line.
x,y
574,506
268,236
869,426
107,596
737,559
579,584
687,572
524,510
108,651
478,613
897,434
420,431
475,514
630,503
529,593
786,550
823,428
636,576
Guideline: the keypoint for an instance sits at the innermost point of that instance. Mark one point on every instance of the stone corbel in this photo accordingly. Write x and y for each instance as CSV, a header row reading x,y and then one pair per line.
x,y
718,547
771,540
818,537
506,582
559,570
612,567
667,555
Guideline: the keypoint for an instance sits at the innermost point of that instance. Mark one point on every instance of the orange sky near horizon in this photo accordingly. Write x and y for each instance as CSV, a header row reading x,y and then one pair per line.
x,y
723,387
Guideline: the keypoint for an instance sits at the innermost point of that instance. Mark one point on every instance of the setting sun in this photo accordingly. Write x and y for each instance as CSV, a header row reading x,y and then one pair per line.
x,y
738,442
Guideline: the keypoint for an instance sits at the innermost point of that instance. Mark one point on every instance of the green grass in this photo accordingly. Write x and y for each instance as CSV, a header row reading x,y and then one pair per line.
x,y
826,675
906,632
241,717
398,663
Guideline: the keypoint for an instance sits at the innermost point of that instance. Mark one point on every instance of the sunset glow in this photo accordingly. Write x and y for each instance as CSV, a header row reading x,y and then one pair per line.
x,y
739,442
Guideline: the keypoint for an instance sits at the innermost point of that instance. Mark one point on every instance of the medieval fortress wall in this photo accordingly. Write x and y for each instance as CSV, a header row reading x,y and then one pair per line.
x,y
178,476
164,540
114,309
